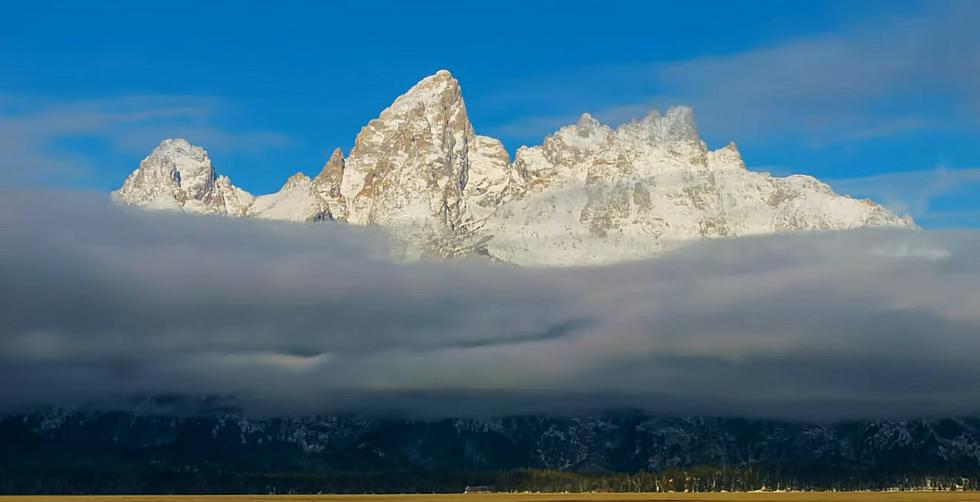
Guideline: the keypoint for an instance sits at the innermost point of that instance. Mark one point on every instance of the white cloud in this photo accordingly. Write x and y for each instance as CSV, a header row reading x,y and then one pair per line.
x,y
32,132
915,192
875,78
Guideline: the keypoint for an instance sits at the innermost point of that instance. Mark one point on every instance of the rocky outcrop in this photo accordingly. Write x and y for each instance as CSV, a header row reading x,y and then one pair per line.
x,y
597,195
328,184
178,175
588,195
409,168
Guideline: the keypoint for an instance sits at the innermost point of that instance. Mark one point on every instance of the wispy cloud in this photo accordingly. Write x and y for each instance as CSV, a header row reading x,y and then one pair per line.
x,y
880,77
98,302
918,192
34,133
890,76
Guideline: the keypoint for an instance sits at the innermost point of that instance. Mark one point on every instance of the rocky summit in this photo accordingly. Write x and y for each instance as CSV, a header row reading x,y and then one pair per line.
x,y
588,195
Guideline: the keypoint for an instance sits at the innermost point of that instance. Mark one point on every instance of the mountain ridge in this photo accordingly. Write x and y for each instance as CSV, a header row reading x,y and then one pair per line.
x,y
122,451
588,195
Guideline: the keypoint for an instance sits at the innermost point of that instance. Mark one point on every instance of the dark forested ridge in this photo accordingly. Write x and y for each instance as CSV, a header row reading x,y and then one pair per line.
x,y
124,452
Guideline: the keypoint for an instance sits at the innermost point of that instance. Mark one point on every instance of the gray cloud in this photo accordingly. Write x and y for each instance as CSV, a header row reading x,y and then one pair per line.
x,y
100,302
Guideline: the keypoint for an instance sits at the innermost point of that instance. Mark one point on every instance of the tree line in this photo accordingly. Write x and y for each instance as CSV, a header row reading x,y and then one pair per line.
x,y
133,479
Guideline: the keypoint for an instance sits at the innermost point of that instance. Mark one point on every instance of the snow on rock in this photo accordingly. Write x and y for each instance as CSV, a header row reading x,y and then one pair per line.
x,y
328,183
490,182
179,176
588,195
297,200
597,196
408,167
304,199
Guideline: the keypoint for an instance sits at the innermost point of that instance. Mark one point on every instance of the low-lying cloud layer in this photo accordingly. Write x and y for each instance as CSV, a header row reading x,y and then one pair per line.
x,y
100,302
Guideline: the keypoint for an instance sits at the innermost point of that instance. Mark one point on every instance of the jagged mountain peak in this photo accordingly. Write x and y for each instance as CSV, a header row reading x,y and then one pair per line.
x,y
674,131
438,91
179,147
425,111
297,179
409,167
676,125
179,175
440,76
681,116
589,194
189,161
587,125
586,120
679,123
335,162
333,171
586,133
727,156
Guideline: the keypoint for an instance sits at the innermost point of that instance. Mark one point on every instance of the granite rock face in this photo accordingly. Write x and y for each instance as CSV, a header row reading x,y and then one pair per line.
x,y
588,195
178,175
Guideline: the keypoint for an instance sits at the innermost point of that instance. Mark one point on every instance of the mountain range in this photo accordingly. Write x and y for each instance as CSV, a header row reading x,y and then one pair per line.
x,y
131,452
588,195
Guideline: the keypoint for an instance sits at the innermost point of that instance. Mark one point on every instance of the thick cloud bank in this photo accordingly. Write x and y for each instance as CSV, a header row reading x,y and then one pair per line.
x,y
100,302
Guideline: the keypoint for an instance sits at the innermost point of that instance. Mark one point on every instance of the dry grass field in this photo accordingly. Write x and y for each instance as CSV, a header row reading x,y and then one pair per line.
x,y
536,497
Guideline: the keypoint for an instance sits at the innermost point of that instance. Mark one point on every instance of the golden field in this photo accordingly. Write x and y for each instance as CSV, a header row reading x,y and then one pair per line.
x,y
535,497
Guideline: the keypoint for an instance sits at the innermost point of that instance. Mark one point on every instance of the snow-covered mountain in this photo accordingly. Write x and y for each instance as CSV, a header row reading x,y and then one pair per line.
x,y
178,175
588,195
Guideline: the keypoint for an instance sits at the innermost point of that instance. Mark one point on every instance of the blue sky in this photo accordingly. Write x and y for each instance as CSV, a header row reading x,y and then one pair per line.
x,y
882,99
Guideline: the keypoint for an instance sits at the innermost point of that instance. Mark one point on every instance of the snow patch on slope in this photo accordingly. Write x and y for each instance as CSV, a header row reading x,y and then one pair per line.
x,y
588,195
